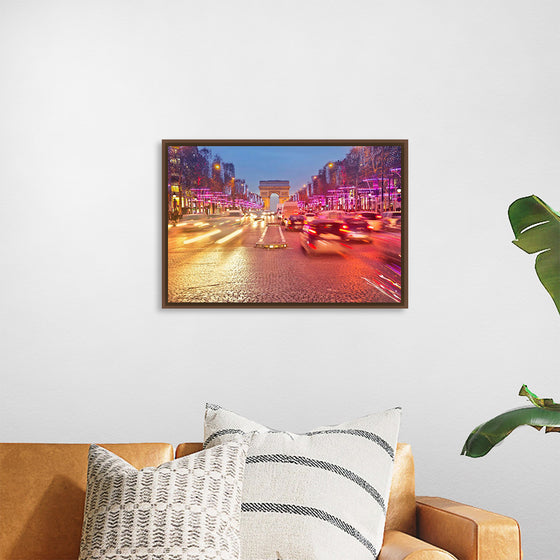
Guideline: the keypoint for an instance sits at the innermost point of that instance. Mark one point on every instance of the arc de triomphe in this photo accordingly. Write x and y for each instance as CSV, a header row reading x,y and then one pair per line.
x,y
268,188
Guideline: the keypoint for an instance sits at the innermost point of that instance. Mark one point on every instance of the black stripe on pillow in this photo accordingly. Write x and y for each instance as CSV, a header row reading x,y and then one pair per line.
x,y
221,433
360,433
311,512
315,463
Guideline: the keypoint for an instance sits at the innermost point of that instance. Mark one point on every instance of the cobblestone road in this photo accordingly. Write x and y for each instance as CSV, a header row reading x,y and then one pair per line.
x,y
219,263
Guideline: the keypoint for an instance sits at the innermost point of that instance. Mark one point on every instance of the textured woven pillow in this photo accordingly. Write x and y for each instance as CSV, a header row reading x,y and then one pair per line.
x,y
185,509
321,495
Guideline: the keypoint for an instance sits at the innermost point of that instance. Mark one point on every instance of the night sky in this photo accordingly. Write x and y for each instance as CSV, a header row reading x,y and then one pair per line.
x,y
296,164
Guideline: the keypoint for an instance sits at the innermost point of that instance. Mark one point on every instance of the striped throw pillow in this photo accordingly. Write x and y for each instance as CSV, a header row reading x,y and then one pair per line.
x,y
315,496
187,509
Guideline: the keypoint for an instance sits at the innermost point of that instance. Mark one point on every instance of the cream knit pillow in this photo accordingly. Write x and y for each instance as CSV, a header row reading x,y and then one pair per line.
x,y
187,509
321,495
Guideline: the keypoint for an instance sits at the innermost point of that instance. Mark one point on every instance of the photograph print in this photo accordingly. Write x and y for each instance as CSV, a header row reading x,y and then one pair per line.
x,y
284,223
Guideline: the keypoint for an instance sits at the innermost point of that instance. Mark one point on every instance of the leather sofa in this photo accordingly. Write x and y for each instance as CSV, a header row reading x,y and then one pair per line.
x,y
42,492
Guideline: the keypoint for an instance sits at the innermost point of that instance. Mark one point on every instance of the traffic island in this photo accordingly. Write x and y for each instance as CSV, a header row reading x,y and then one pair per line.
x,y
272,238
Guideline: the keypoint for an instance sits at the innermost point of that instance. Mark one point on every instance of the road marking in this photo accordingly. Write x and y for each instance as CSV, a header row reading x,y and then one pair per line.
x,y
204,236
260,241
230,236
274,245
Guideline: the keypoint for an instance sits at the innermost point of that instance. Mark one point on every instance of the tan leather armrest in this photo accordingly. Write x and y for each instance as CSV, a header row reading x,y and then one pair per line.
x,y
400,546
467,532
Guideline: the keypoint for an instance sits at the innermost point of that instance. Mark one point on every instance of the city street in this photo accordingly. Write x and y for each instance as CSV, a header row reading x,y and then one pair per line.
x,y
216,260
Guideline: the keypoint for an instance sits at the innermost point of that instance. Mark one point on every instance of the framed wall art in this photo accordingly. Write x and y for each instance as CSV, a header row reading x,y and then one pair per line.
x,y
284,223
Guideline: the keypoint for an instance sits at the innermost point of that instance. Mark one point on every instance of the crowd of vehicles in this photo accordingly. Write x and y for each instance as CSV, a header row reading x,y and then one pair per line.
x,y
330,231
376,220
333,230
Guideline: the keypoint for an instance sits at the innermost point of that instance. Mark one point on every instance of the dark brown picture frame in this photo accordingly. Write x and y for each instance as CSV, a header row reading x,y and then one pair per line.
x,y
174,189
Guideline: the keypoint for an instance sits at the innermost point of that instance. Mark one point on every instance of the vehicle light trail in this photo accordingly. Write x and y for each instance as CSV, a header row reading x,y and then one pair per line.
x,y
198,224
396,284
230,236
386,292
203,236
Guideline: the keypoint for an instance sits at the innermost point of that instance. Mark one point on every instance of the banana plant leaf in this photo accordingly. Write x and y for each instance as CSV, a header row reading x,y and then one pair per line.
x,y
537,401
536,227
544,413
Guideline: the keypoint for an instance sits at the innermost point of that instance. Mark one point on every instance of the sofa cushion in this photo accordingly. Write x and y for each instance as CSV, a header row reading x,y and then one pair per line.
x,y
186,509
42,492
401,510
322,494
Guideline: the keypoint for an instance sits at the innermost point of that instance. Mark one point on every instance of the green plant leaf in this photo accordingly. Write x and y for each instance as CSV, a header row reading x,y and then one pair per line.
x,y
483,438
536,227
537,401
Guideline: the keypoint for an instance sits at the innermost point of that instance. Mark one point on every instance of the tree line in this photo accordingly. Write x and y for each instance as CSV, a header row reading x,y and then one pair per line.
x,y
192,167
361,163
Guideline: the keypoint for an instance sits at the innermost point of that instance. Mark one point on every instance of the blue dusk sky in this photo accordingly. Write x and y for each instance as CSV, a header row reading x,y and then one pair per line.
x,y
296,164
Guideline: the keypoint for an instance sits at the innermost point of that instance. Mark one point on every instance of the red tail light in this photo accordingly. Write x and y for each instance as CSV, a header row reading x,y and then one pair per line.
x,y
370,227
344,227
311,231
312,246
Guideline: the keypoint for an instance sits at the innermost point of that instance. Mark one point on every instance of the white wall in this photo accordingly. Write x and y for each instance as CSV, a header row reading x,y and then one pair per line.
x,y
90,89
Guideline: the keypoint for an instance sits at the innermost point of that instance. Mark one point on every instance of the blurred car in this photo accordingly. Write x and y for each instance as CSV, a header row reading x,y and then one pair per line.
x,y
392,220
374,220
308,217
294,222
333,214
237,215
323,236
194,222
257,216
356,229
